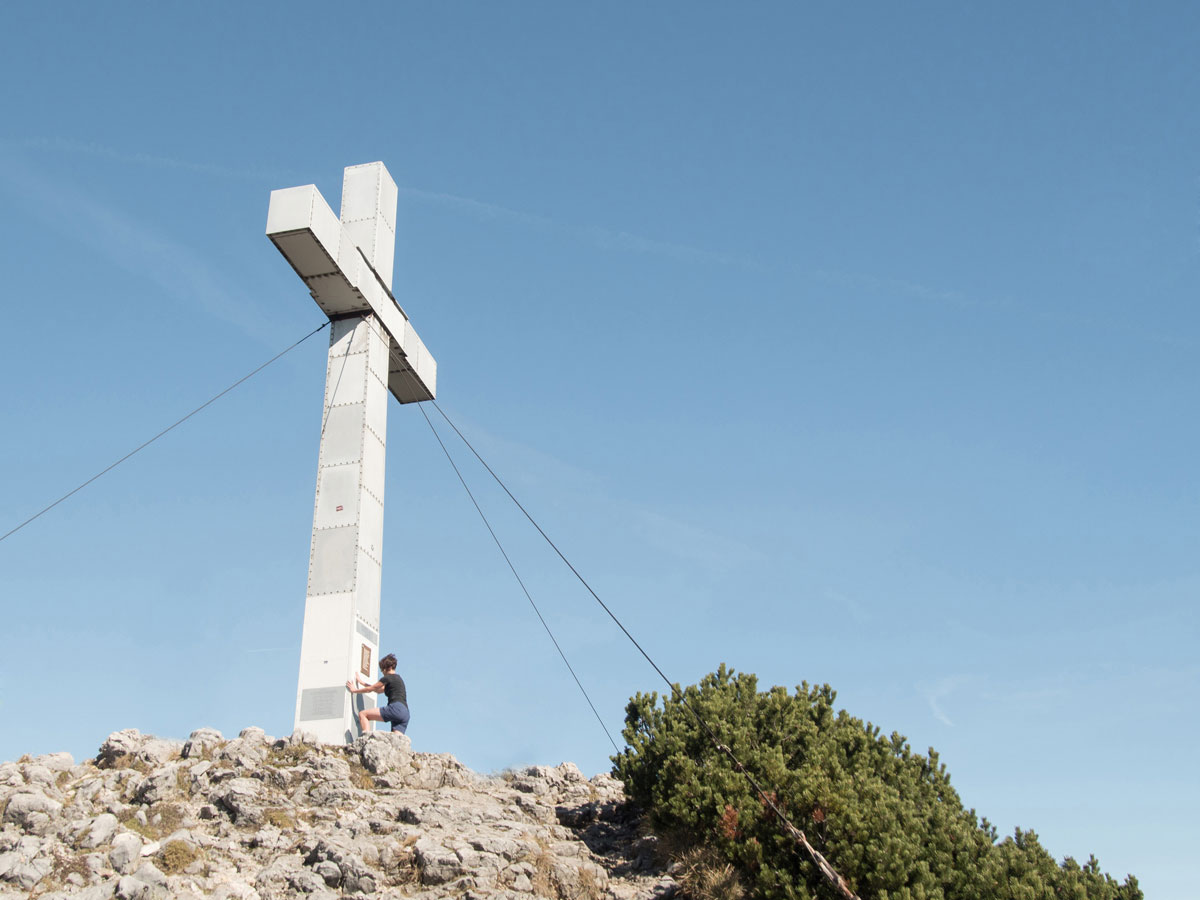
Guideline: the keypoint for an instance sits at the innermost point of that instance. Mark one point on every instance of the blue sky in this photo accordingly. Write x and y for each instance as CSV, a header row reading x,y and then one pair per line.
x,y
848,345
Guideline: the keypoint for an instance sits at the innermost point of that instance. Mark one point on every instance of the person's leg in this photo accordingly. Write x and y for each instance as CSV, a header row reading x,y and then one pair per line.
x,y
400,723
368,715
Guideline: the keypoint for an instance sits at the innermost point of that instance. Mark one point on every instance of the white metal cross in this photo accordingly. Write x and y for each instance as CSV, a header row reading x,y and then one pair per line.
x,y
346,263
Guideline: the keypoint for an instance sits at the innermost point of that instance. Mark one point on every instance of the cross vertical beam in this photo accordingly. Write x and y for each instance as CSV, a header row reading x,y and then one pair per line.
x,y
341,607
346,263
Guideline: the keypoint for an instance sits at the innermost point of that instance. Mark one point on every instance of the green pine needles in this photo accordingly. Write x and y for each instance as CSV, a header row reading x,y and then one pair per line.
x,y
885,818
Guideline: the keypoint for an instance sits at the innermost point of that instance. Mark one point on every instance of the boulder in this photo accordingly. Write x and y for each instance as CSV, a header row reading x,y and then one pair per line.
x,y
156,751
384,751
202,743
122,747
240,797
37,774
26,874
299,736
435,863
161,784
126,851
24,861
98,831
255,735
130,887
32,811
245,752
149,873
56,762
118,745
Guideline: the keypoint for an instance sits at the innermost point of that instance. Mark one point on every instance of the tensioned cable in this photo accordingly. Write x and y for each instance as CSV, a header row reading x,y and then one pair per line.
x,y
143,446
554,546
827,871
406,370
822,864
500,546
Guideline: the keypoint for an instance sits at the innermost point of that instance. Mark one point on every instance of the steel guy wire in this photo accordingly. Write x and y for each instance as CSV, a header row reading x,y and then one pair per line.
x,y
541,619
823,867
406,371
826,870
170,427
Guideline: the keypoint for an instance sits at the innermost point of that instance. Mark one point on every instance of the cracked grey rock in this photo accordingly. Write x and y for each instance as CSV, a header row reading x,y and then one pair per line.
x,y
126,850
424,827
202,743
99,831
32,811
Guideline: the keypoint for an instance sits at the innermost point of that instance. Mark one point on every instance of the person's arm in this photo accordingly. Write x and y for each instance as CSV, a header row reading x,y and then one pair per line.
x,y
376,688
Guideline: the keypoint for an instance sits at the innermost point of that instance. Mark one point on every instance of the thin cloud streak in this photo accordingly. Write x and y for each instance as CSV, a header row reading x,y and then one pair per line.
x,y
613,240
902,288
936,694
527,469
91,148
174,268
602,238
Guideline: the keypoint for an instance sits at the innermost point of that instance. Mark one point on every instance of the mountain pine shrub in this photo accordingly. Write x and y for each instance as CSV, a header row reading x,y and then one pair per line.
x,y
886,818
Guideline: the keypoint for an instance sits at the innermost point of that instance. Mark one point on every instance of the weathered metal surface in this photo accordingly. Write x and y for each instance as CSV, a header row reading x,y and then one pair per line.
x,y
346,263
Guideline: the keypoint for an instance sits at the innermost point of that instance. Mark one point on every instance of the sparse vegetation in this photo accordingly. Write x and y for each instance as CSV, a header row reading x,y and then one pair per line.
x,y
360,777
66,865
279,818
125,761
703,874
289,755
542,878
162,819
176,856
590,887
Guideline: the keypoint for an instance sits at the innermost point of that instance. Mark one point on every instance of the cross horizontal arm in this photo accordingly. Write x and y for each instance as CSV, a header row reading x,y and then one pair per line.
x,y
342,281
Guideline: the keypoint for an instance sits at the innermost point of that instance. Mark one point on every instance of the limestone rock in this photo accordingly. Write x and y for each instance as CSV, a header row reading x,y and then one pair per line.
x,y
126,851
384,751
240,798
130,746
255,818
300,736
99,831
31,810
202,743
56,762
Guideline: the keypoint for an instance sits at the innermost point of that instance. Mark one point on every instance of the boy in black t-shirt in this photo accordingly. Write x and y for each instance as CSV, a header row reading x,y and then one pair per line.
x,y
396,710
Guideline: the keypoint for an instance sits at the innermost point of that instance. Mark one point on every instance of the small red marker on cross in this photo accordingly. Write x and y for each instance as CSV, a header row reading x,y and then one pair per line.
x,y
339,509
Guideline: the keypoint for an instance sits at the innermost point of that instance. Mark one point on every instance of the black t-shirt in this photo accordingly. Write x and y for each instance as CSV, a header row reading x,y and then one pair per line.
x,y
393,686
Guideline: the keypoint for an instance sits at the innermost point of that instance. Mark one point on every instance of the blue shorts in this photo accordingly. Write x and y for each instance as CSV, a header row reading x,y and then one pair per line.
x,y
397,714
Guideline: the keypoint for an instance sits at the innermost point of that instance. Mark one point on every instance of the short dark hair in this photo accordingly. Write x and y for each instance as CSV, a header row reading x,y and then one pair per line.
x,y
388,662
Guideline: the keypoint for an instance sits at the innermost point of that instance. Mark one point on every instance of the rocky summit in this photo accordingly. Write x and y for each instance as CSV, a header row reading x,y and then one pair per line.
x,y
256,817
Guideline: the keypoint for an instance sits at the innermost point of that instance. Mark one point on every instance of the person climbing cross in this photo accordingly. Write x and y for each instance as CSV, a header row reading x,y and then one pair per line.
x,y
395,710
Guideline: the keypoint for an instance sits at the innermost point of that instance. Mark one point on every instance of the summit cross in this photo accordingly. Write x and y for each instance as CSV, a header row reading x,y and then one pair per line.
x,y
346,263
